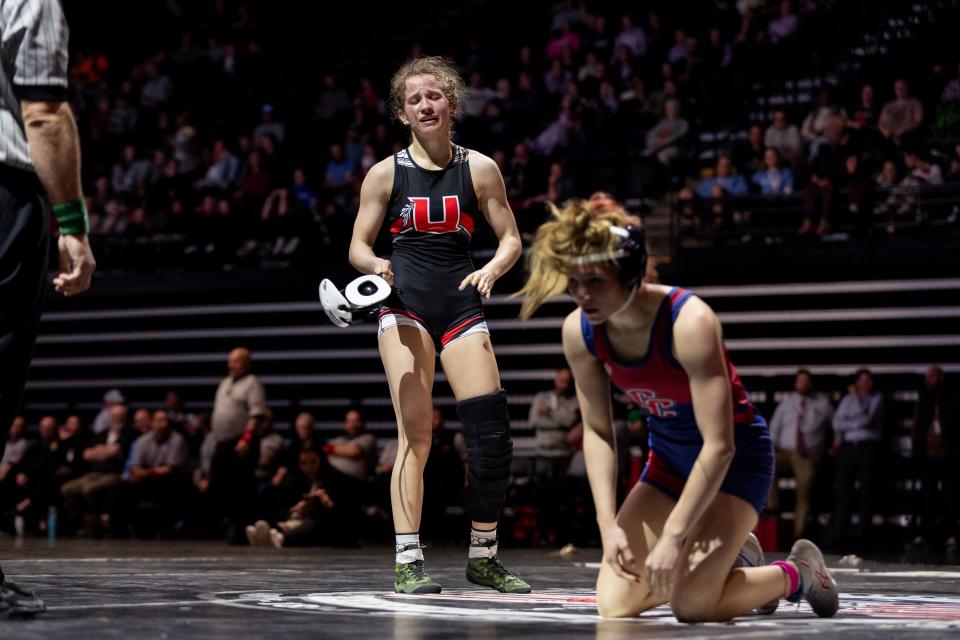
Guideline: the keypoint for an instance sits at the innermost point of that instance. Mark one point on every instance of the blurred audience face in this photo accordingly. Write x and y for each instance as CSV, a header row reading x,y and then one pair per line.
x,y
780,120
309,464
770,159
141,420
563,382
724,166
160,425
238,362
118,416
901,90
70,427
17,428
353,423
864,383
867,95
803,384
933,377
438,422
303,425
48,428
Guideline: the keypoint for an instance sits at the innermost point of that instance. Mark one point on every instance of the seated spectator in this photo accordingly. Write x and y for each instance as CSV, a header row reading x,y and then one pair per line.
x,y
774,179
352,453
157,90
935,433
631,36
73,440
92,497
903,198
785,26
901,115
951,92
748,154
333,100
664,138
552,414
11,486
38,481
564,43
725,181
865,115
826,170
268,125
799,430
814,125
784,138
478,96
712,192
444,476
271,455
326,511
858,430
224,171
889,175
158,473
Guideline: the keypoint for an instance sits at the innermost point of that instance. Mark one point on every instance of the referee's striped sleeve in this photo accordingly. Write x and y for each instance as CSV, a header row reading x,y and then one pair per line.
x,y
34,39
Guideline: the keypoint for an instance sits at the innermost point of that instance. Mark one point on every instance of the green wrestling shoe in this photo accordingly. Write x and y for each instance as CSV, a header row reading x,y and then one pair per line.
x,y
488,572
409,577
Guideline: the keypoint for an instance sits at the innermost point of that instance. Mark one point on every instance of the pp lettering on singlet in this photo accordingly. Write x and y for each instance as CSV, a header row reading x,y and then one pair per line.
x,y
647,400
420,216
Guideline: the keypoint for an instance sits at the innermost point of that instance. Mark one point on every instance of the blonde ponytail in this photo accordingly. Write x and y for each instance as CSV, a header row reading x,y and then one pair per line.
x,y
579,229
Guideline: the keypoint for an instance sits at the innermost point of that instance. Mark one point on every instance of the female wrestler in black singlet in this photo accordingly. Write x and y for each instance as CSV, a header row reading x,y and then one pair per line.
x,y
431,194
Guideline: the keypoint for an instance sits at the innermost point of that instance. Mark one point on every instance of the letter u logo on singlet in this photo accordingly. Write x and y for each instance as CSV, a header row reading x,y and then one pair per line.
x,y
427,221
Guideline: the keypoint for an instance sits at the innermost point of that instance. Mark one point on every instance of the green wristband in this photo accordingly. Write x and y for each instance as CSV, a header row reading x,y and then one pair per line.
x,y
72,217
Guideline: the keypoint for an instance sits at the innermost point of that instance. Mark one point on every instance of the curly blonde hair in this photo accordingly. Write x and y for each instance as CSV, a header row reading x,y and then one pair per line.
x,y
580,228
451,84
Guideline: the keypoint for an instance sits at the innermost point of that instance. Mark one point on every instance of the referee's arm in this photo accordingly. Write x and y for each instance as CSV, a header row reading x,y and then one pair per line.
x,y
55,150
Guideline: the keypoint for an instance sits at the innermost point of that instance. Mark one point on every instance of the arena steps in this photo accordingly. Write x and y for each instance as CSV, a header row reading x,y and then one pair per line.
x,y
896,327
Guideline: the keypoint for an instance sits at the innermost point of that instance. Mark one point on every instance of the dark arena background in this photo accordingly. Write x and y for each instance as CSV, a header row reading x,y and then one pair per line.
x,y
796,164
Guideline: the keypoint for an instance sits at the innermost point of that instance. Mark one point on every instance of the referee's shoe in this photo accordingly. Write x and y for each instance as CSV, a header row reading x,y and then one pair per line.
x,y
17,602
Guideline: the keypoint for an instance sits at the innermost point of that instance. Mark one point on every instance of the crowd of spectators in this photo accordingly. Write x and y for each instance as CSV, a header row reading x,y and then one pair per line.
x,y
232,175
228,473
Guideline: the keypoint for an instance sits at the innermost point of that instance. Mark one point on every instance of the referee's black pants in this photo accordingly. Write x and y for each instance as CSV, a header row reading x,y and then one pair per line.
x,y
24,231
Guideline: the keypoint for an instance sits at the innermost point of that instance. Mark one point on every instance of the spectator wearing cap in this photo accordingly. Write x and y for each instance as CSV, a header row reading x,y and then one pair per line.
x,y
268,125
102,421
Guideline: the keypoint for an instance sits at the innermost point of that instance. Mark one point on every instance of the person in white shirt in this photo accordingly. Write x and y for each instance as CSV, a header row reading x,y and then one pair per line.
x,y
799,430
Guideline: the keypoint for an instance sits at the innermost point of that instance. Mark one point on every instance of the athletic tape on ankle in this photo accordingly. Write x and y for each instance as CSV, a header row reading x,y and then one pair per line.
x,y
792,575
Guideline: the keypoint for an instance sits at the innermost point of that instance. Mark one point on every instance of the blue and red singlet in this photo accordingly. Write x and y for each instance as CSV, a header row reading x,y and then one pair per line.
x,y
659,386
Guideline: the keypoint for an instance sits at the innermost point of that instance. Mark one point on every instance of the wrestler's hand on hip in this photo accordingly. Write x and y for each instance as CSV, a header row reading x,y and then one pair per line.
x,y
617,553
481,279
76,265
660,566
384,269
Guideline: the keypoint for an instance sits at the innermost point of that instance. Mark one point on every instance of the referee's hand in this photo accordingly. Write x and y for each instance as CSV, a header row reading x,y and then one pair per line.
x,y
76,265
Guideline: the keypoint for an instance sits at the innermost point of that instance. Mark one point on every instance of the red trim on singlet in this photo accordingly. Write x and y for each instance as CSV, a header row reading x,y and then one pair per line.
x,y
397,226
452,333
404,312
660,474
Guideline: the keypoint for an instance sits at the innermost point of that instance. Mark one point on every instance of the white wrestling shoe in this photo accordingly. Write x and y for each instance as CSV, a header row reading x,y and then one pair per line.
x,y
751,555
817,586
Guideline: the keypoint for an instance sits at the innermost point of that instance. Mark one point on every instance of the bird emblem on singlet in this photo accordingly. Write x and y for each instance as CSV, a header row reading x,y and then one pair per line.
x,y
406,214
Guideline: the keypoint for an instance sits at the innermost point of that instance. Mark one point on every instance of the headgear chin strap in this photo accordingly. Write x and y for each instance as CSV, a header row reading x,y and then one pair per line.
x,y
358,302
630,256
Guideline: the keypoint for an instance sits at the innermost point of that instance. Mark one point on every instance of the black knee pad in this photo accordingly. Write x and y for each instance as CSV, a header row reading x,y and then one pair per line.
x,y
486,432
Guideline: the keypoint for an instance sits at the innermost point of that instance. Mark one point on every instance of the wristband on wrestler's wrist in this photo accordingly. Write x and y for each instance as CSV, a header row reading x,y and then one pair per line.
x,y
72,217
247,436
